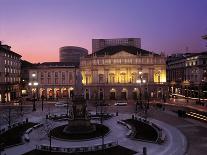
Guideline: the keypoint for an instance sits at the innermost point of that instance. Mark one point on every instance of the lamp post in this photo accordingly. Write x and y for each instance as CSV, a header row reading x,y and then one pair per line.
x,y
34,84
42,97
140,81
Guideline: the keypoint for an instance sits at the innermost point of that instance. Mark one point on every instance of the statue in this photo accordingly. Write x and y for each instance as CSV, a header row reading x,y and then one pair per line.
x,y
78,83
79,120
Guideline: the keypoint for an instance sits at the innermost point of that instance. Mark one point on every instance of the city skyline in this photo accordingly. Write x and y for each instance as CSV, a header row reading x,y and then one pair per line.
x,y
35,27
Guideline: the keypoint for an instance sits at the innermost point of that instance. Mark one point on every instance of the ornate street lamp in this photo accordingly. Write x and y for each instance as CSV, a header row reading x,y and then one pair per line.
x,y
33,85
140,81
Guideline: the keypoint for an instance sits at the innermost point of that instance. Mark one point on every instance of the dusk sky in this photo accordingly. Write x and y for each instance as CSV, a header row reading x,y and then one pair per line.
x,y
36,29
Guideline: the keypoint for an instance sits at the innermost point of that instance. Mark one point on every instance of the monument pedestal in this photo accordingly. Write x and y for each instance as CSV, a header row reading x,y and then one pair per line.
x,y
79,122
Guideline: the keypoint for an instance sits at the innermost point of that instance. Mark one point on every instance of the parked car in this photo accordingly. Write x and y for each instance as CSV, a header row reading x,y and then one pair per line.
x,y
61,104
120,103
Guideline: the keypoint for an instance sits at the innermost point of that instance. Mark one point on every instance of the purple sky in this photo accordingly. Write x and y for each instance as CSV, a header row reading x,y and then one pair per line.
x,y
37,28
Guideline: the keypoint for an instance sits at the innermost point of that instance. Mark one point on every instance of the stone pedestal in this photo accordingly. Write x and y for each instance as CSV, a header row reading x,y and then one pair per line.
x,y
79,120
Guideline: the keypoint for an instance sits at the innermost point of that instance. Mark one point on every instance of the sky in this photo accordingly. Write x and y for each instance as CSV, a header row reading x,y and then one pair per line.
x,y
36,29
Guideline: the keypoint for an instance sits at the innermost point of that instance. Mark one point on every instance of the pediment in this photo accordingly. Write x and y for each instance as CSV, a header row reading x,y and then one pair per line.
x,y
122,54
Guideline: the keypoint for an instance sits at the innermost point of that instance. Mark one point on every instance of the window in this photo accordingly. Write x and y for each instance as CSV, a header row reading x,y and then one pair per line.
x,y
48,74
56,74
56,80
49,81
42,81
100,77
63,74
112,78
70,77
123,78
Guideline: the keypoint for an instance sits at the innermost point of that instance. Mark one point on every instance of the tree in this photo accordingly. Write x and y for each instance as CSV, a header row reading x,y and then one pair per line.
x,y
48,125
10,115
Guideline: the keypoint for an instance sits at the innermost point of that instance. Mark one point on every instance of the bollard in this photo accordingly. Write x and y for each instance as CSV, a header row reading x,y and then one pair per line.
x,y
144,151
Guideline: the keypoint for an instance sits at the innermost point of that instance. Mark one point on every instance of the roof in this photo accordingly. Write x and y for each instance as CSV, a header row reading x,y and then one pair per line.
x,y
6,49
204,37
57,64
110,50
176,57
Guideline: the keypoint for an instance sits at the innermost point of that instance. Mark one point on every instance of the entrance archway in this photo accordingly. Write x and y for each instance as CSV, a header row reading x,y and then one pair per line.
x,y
51,94
101,94
65,93
87,97
124,94
58,93
135,94
44,93
112,94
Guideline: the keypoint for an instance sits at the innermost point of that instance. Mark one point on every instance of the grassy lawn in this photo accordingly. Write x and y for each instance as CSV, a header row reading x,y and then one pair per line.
x,y
143,130
14,135
118,150
100,130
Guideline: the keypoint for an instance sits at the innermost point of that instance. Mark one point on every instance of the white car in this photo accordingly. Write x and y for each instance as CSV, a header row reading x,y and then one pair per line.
x,y
120,103
61,104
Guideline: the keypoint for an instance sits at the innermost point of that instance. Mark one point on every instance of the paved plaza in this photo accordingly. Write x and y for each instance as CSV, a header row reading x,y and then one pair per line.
x,y
183,136
175,139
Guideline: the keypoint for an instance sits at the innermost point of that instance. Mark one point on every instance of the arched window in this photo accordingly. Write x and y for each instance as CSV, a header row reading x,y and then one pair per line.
x,y
101,78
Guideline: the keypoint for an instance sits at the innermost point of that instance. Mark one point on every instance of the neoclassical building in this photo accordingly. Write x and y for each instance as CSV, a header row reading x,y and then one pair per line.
x,y
123,72
10,66
53,80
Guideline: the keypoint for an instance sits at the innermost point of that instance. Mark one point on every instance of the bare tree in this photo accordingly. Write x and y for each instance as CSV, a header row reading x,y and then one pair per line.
x,y
10,115
48,125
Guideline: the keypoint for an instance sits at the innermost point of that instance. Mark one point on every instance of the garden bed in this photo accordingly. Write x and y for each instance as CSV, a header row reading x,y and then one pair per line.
x,y
143,131
14,135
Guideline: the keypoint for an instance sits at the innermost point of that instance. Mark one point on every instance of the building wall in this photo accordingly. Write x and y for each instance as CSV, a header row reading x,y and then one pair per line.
x,y
187,76
119,73
53,82
72,54
10,66
98,44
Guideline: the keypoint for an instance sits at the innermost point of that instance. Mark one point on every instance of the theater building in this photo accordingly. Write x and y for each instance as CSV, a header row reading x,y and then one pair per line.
x,y
123,72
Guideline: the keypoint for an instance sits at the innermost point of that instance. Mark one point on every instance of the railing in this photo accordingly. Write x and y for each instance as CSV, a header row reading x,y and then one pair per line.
x,y
76,149
28,131
129,127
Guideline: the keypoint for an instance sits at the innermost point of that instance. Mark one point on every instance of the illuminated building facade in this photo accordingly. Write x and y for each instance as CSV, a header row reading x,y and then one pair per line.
x,y
123,72
10,66
187,74
53,80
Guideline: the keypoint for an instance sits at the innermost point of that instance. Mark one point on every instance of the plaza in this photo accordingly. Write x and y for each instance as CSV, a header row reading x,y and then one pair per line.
x,y
177,131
